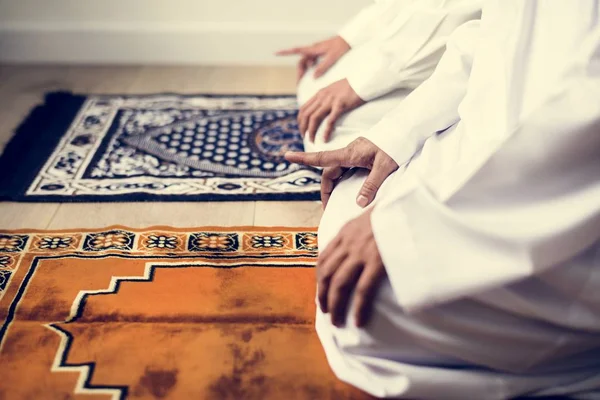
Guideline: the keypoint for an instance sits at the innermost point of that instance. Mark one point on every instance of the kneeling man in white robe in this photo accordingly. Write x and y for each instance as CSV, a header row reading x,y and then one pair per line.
x,y
349,82
460,244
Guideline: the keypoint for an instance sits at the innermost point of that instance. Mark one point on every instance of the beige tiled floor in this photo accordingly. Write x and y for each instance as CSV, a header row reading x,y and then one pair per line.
x,y
22,87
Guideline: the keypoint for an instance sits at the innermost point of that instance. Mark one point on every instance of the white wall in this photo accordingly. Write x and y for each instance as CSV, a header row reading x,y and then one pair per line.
x,y
164,31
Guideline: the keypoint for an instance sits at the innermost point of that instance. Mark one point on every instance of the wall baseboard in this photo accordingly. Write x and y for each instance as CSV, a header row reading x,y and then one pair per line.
x,y
155,44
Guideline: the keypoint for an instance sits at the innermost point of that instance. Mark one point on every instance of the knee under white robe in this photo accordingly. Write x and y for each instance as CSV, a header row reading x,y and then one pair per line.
x,y
489,232
395,46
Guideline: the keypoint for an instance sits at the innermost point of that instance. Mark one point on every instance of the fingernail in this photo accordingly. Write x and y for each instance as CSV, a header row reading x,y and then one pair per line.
x,y
362,201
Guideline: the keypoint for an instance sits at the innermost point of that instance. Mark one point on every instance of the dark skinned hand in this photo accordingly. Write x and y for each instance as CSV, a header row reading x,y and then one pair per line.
x,y
350,268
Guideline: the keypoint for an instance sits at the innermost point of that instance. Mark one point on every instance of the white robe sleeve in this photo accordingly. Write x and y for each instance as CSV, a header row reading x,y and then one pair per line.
x,y
407,49
433,106
364,26
514,188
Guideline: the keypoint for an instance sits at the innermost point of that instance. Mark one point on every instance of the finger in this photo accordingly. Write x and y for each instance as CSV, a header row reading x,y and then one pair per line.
x,y
331,158
305,63
336,112
323,66
315,121
306,112
322,291
325,275
326,253
340,290
313,50
301,69
364,293
374,180
329,178
302,112
291,51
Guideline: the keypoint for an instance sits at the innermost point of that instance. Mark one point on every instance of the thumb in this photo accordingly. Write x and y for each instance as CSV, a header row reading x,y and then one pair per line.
x,y
374,180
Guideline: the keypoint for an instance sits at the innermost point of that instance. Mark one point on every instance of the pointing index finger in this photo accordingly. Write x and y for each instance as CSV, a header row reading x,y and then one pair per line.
x,y
289,52
333,158
309,51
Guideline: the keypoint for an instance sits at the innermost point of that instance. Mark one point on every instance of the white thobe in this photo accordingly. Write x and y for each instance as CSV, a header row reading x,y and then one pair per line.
x,y
490,229
395,46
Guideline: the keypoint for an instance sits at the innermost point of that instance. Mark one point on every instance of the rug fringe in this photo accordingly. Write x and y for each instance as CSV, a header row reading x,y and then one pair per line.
x,y
46,123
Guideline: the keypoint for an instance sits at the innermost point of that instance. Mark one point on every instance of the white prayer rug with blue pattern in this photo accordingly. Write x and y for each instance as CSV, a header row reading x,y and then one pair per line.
x,y
157,148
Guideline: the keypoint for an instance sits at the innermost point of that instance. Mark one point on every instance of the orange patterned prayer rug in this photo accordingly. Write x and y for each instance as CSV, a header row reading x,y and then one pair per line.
x,y
209,313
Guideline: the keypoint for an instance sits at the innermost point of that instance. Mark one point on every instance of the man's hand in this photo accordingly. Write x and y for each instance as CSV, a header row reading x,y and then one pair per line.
x,y
350,263
331,101
360,153
329,51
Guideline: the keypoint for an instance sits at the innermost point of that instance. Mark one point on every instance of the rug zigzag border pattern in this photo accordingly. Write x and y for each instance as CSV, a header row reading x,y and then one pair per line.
x,y
86,370
253,247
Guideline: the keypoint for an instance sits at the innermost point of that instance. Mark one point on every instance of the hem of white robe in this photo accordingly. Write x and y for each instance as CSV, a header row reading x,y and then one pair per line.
x,y
353,371
385,378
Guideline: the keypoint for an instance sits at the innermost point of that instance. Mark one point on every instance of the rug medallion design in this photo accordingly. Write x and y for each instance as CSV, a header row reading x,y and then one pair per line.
x,y
209,313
